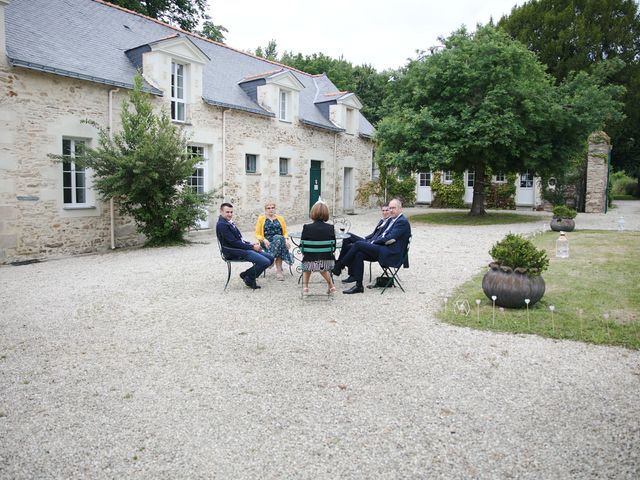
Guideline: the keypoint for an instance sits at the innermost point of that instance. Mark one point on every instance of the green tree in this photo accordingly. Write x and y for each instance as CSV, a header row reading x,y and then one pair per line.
x,y
145,166
186,14
485,102
363,80
213,32
575,35
270,52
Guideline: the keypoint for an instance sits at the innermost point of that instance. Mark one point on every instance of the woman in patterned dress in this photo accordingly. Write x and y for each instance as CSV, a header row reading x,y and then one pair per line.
x,y
271,232
321,262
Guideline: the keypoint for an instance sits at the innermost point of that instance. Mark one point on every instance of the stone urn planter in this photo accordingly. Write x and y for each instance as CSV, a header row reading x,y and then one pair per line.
x,y
512,286
562,224
562,220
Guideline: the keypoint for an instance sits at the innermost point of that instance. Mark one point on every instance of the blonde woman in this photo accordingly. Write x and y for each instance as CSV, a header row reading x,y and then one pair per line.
x,y
271,232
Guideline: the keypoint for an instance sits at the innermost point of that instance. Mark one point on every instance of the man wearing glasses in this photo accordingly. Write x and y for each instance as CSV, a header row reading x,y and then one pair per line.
x,y
388,248
347,243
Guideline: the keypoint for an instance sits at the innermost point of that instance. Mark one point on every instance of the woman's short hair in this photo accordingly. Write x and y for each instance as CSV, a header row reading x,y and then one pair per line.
x,y
319,211
268,204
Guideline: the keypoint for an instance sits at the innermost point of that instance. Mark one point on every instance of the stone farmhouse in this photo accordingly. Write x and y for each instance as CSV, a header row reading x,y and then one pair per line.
x,y
263,131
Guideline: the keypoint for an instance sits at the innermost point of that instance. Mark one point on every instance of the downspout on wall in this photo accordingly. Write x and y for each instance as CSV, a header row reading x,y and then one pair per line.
x,y
112,227
224,154
335,171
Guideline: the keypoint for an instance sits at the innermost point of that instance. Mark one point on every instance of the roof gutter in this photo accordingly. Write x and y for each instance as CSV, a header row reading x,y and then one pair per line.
x,y
80,76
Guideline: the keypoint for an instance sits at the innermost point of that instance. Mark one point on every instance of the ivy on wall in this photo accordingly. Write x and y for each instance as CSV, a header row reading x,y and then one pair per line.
x,y
447,195
501,195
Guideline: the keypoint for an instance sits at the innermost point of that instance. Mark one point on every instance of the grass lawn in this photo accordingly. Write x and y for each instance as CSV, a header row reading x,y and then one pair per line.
x,y
463,218
595,293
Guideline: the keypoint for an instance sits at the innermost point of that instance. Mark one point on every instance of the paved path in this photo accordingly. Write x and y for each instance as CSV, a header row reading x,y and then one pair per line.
x,y
134,364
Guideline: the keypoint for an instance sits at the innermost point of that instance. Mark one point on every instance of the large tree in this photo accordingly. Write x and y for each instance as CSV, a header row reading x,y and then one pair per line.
x,y
186,14
576,35
484,102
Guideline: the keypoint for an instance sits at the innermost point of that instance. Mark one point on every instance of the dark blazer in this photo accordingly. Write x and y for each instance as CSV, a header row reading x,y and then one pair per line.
x,y
392,255
318,230
382,224
233,246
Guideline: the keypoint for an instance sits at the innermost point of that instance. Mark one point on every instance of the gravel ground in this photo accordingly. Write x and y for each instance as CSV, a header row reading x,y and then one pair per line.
x,y
135,364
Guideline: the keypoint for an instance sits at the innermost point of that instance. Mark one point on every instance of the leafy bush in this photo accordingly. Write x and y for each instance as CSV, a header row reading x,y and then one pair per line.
x,y
389,184
562,211
447,195
515,251
502,195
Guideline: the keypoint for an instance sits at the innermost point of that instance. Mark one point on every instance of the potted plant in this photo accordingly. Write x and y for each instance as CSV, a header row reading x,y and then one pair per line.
x,y
562,220
516,272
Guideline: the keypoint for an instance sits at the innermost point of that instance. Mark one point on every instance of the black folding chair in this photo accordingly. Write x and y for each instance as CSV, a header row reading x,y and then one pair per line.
x,y
316,246
229,261
390,272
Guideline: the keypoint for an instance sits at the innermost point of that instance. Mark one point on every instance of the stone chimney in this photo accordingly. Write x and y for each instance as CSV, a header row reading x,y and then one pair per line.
x,y
3,34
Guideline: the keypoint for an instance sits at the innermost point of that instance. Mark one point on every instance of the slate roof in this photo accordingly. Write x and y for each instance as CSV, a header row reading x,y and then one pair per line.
x,y
87,39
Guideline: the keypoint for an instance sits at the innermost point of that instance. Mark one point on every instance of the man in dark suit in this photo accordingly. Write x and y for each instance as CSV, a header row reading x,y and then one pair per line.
x,y
348,242
234,247
388,248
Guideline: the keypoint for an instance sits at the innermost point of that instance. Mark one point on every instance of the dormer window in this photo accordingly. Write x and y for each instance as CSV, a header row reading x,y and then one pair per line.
x,y
178,96
284,106
350,122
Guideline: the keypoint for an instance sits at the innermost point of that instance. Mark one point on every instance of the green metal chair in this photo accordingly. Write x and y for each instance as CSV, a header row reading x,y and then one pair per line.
x,y
390,272
315,246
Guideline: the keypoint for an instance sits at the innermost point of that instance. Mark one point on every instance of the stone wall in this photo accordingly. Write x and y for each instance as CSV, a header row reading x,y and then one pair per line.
x,y
37,110
597,173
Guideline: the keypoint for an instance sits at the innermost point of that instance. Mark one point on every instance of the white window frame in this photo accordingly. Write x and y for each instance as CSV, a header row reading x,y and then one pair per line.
x,y
196,182
526,180
70,182
447,177
350,120
500,178
247,163
424,179
178,92
284,105
287,163
471,178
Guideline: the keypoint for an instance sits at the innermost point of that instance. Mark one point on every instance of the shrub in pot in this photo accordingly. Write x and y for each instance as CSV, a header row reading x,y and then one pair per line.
x,y
516,272
562,220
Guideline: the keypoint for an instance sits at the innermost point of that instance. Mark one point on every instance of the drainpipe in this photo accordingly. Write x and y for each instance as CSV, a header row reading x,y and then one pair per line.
x,y
224,155
335,170
112,229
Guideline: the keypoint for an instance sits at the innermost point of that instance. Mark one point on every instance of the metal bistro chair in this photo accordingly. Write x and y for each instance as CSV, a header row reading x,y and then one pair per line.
x,y
229,261
316,246
390,272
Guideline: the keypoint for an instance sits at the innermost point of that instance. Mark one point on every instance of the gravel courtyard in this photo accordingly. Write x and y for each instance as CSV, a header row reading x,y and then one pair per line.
x,y
135,364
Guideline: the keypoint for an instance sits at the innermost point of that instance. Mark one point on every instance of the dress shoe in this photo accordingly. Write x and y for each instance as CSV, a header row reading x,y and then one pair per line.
x,y
243,275
336,270
355,289
350,279
251,284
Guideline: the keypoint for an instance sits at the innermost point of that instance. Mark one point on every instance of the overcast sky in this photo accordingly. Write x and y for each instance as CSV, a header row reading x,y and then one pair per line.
x,y
382,33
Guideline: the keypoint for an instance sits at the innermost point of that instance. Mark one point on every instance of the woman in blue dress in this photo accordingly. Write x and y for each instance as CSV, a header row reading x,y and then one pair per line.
x,y
271,232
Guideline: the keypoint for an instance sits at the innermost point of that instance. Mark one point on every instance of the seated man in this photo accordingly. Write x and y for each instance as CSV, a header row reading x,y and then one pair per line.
x,y
234,247
348,242
388,248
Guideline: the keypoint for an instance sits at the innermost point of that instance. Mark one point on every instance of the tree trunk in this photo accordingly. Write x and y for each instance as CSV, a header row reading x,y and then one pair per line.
x,y
477,206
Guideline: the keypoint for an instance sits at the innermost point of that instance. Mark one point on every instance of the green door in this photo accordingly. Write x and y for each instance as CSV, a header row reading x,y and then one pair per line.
x,y
315,182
